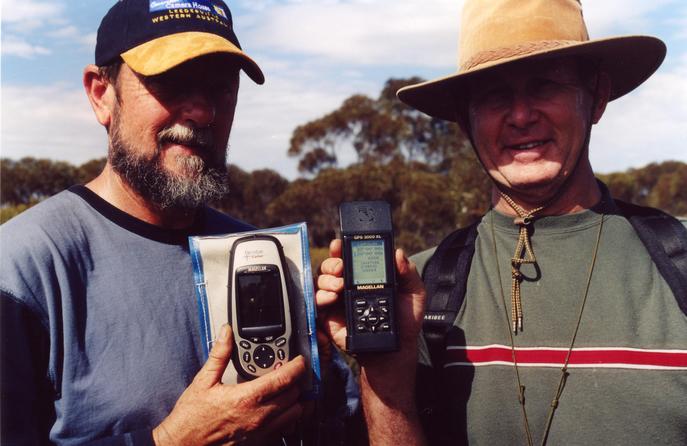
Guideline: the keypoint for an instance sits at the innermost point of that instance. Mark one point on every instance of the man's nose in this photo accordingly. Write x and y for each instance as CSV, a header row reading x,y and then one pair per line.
x,y
522,111
198,108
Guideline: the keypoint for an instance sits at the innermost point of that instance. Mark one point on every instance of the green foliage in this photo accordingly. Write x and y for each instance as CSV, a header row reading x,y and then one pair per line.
x,y
378,130
30,180
89,170
425,204
316,201
251,193
33,179
7,212
662,186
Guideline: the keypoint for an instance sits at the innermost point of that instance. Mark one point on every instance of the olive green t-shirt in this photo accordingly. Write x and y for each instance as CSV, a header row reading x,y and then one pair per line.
x,y
627,380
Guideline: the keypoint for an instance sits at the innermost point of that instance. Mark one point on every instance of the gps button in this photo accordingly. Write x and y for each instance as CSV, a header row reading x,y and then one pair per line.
x,y
263,356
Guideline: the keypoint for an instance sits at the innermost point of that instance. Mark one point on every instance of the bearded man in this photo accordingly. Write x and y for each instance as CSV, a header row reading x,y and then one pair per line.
x,y
100,333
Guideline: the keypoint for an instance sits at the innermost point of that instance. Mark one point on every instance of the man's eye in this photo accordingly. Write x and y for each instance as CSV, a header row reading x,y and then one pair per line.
x,y
550,88
545,88
493,98
162,84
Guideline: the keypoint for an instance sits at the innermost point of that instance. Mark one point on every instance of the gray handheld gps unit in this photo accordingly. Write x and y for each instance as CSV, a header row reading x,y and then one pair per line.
x,y
369,276
259,305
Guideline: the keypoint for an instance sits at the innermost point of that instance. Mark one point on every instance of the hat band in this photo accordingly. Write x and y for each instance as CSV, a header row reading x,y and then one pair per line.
x,y
508,52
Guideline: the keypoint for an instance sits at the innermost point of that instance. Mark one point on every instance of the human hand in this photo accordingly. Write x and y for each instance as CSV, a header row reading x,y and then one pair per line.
x,y
209,412
387,380
410,309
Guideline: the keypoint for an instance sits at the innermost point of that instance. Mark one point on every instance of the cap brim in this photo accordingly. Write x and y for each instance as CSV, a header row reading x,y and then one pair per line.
x,y
164,53
628,60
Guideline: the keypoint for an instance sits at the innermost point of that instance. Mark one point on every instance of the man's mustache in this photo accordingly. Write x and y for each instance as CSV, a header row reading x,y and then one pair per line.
x,y
188,136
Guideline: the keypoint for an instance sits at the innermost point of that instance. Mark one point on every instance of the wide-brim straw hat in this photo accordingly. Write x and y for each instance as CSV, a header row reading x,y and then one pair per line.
x,y
498,32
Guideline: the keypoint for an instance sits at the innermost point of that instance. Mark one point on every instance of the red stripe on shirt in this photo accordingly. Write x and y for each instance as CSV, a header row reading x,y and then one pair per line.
x,y
555,357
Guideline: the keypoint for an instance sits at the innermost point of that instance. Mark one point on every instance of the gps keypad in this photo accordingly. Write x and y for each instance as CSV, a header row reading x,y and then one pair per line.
x,y
263,356
372,314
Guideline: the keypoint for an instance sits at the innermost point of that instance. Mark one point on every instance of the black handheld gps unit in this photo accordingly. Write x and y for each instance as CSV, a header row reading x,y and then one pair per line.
x,y
369,276
259,305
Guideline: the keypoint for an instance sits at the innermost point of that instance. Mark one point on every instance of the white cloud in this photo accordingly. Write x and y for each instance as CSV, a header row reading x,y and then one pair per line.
x,y
88,40
679,22
68,32
72,34
26,22
13,12
26,15
648,125
51,121
14,46
255,5
358,32
622,16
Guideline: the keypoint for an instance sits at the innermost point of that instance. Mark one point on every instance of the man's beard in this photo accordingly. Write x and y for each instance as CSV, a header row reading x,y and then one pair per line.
x,y
200,181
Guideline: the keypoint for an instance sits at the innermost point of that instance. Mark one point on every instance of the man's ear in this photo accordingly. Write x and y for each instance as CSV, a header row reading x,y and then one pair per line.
x,y
602,95
100,94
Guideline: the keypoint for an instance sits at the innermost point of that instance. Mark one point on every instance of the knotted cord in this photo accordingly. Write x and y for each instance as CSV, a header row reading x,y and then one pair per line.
x,y
523,254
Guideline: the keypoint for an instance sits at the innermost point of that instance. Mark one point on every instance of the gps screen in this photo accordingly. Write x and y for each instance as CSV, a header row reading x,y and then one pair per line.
x,y
369,264
260,299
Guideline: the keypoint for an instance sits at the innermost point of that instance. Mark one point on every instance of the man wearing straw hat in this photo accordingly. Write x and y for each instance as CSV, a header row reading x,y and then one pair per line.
x,y
568,332
100,331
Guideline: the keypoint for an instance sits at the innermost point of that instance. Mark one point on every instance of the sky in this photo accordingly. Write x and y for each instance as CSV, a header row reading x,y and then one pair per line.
x,y
315,54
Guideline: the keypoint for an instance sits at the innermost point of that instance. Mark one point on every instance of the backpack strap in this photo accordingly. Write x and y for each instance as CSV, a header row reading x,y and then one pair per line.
x,y
445,277
666,240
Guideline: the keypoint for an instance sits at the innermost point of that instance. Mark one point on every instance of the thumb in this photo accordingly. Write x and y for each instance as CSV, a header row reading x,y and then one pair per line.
x,y
219,357
335,248
409,280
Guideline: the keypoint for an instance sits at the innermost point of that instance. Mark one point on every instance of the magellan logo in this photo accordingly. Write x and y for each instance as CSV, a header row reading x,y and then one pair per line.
x,y
369,287
256,268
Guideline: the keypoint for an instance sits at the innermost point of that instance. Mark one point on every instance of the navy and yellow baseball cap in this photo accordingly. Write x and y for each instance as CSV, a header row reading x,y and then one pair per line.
x,y
153,36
